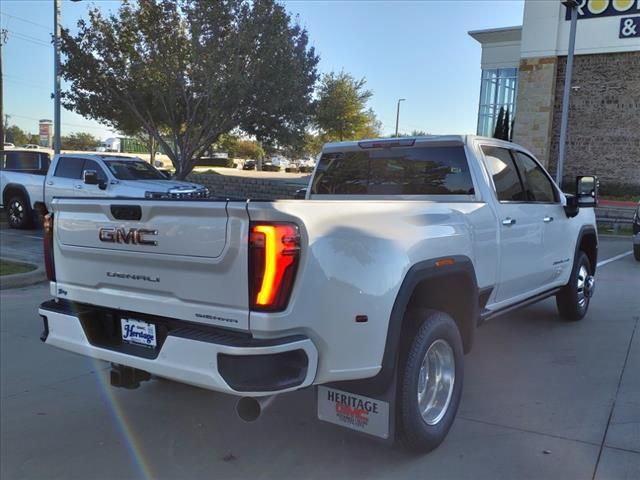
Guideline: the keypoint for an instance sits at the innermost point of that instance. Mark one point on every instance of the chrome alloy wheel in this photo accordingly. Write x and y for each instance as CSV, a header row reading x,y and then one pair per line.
x,y
16,213
436,381
585,285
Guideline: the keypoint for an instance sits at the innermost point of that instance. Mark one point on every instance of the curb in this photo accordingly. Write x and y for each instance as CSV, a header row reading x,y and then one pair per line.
x,y
18,280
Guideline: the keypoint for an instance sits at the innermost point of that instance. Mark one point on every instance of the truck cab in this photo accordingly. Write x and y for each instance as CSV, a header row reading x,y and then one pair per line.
x,y
107,175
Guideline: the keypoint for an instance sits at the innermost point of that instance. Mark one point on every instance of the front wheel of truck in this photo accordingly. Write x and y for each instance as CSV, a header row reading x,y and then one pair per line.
x,y
430,380
573,299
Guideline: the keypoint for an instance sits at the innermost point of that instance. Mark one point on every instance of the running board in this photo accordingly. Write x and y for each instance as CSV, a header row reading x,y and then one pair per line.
x,y
489,314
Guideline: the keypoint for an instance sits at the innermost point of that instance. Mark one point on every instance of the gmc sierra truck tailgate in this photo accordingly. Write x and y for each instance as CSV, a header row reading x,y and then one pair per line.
x,y
178,259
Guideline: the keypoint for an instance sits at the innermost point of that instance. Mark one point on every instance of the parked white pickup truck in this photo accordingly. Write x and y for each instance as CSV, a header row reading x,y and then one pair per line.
x,y
371,288
28,184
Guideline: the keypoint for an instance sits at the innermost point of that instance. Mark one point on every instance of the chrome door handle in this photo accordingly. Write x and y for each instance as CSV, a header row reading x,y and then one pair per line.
x,y
78,186
548,219
509,221
49,183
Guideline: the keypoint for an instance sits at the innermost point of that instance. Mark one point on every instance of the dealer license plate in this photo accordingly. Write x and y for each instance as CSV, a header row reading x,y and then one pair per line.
x,y
364,414
138,332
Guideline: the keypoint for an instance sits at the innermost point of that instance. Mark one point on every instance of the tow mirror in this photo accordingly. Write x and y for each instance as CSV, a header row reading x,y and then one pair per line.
x,y
587,191
90,177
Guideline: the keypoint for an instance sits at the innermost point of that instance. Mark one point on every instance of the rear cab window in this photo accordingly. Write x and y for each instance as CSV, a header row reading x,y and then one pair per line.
x,y
420,170
18,161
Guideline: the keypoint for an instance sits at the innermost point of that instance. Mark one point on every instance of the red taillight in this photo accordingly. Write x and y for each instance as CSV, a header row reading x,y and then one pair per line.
x,y
274,251
48,247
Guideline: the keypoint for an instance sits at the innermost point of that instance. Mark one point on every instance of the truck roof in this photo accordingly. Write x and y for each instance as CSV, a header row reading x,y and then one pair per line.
x,y
451,139
101,156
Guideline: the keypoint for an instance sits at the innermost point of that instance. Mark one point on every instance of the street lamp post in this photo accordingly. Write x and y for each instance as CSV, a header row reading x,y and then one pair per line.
x,y
57,4
56,76
398,114
564,119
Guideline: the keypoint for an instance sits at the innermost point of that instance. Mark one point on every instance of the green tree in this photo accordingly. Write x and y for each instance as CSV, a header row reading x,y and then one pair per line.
x,y
248,149
312,144
342,112
414,133
193,69
79,141
17,136
227,143
506,126
499,130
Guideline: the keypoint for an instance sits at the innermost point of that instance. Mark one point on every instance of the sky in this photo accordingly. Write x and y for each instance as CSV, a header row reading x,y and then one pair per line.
x,y
417,50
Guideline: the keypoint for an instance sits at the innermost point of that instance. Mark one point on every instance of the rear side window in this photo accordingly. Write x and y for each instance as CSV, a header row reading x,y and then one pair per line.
x,y
21,161
437,170
505,176
69,167
536,183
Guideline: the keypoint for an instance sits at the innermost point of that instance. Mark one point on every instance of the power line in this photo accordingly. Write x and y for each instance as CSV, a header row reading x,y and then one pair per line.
x,y
30,38
25,20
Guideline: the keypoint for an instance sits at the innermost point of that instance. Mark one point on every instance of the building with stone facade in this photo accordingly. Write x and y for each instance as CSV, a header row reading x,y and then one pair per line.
x,y
523,71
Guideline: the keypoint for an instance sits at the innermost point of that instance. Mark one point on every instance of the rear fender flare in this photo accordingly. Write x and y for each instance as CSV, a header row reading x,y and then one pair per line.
x,y
426,271
15,187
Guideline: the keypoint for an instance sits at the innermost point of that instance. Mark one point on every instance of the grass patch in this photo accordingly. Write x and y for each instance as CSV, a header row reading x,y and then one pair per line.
x,y
10,268
624,198
623,230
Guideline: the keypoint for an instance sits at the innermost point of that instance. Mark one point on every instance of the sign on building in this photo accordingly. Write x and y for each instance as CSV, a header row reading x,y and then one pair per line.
x,y
604,8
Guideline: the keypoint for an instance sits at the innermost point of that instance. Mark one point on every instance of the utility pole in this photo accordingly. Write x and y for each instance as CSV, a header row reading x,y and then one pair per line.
x,y
3,39
398,114
564,119
56,76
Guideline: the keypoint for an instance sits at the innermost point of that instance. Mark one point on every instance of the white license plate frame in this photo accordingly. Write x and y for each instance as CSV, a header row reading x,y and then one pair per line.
x,y
138,332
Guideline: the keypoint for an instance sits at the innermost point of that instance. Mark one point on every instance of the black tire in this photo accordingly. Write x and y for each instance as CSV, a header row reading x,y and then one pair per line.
x,y
413,429
19,212
636,252
573,301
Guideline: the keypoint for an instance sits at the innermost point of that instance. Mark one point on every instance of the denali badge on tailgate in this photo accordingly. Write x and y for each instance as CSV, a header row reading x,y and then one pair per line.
x,y
367,415
130,236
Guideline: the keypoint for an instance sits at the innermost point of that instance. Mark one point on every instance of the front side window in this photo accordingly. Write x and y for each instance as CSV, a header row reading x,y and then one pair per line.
x,y
93,165
437,170
505,175
537,185
133,170
69,167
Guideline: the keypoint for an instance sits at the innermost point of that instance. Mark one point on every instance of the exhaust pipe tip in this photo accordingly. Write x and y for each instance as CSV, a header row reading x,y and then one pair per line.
x,y
248,409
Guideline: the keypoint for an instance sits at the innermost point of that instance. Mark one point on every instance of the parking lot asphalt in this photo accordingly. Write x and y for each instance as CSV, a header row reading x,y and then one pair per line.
x,y
542,399
23,245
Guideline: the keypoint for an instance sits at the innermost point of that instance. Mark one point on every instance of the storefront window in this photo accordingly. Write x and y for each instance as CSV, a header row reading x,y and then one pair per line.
x,y
497,91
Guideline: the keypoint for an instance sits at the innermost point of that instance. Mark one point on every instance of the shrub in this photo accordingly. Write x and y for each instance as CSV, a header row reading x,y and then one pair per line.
x,y
215,162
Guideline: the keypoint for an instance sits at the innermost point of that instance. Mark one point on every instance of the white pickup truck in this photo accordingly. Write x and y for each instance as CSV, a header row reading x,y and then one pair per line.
x,y
29,183
371,288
